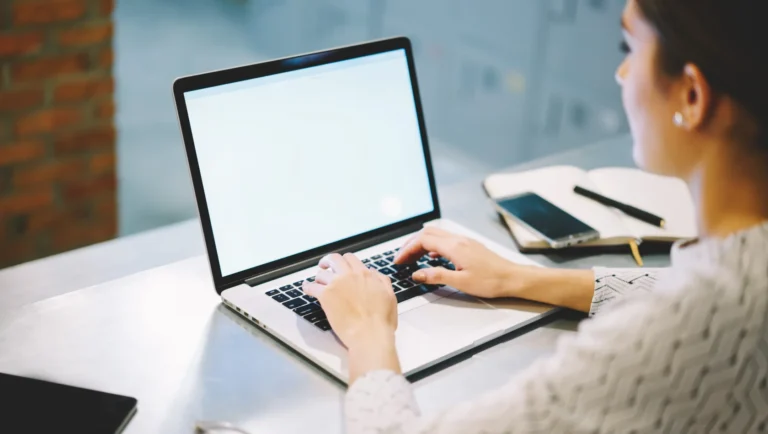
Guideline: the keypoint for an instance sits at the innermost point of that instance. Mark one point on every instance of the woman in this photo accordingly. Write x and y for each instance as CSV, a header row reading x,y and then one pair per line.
x,y
682,352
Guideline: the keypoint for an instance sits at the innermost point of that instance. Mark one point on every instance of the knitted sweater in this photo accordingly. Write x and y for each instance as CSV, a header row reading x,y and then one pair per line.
x,y
684,350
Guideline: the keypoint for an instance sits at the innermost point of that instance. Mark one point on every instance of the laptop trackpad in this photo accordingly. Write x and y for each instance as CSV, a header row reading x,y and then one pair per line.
x,y
459,316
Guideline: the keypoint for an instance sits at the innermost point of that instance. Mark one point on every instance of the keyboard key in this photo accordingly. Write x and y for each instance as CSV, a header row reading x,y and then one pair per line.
x,y
315,316
286,288
294,293
273,292
414,292
365,261
307,308
376,258
386,271
389,253
371,267
296,302
405,284
298,284
435,263
400,267
311,279
323,325
397,249
400,275
450,267
381,263
310,299
281,298
391,259
397,287
407,294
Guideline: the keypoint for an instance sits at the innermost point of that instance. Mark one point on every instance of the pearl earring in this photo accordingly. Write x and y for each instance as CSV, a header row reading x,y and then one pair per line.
x,y
679,119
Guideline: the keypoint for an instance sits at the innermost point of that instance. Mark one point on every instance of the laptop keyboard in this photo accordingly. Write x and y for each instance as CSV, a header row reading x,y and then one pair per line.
x,y
293,297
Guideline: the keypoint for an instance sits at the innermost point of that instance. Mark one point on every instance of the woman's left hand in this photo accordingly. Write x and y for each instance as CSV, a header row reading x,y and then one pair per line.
x,y
360,303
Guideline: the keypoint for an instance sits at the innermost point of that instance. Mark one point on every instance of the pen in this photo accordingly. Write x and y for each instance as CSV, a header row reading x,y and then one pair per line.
x,y
626,209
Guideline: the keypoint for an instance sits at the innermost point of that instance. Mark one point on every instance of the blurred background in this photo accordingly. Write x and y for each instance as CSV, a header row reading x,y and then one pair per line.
x,y
89,143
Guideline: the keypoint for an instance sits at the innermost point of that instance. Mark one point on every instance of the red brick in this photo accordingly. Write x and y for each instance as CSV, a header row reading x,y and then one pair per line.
x,y
47,11
17,252
106,58
21,43
76,237
46,121
103,162
48,172
21,99
104,110
55,218
5,131
106,7
87,35
82,90
48,67
77,191
106,208
21,151
26,200
95,138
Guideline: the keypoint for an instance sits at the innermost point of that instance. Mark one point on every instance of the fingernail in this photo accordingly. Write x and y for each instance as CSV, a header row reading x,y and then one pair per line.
x,y
420,276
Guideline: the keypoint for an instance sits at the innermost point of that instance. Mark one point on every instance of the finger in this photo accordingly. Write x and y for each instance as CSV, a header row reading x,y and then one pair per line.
x,y
335,262
325,277
354,263
434,255
441,243
408,241
314,289
438,276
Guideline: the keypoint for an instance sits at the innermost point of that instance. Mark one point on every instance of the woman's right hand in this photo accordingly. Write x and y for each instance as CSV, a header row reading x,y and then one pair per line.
x,y
479,271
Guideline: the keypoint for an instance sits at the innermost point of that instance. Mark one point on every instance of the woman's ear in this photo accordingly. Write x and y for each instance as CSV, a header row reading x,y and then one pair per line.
x,y
696,97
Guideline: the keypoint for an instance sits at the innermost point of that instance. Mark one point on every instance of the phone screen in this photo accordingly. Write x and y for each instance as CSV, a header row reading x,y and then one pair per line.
x,y
544,217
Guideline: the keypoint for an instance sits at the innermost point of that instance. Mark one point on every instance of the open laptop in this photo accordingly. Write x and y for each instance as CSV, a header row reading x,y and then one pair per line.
x,y
326,152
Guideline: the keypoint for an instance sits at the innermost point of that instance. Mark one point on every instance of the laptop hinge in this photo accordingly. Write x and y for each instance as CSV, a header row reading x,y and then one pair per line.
x,y
309,262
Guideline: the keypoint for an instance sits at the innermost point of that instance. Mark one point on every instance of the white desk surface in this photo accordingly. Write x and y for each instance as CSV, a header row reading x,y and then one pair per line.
x,y
161,335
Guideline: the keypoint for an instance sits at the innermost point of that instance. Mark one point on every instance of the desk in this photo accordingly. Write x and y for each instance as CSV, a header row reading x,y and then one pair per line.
x,y
162,336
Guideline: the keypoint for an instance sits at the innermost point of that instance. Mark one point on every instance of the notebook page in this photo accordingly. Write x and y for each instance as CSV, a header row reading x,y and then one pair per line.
x,y
666,197
555,184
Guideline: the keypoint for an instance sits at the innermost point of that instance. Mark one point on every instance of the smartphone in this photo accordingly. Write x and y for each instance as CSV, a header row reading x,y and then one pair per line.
x,y
551,223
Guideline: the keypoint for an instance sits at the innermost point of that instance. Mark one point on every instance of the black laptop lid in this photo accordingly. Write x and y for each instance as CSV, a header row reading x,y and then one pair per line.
x,y
297,157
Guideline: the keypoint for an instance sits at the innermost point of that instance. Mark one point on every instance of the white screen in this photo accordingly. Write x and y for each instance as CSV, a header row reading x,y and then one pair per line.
x,y
298,160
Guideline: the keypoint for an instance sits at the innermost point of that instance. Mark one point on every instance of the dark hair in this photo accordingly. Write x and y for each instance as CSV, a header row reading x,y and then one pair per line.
x,y
726,39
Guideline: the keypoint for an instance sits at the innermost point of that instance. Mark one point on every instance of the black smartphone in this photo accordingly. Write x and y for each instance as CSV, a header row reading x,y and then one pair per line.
x,y
37,406
551,223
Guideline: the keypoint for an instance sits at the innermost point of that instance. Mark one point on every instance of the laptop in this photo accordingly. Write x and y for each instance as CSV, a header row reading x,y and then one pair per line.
x,y
326,152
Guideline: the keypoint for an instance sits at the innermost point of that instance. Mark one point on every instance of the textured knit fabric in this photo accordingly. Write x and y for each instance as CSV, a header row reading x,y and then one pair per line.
x,y
682,351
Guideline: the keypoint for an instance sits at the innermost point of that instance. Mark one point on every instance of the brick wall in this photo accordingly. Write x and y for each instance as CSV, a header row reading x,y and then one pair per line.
x,y
57,134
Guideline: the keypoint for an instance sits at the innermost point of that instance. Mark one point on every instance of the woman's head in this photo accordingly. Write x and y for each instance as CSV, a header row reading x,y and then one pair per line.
x,y
694,80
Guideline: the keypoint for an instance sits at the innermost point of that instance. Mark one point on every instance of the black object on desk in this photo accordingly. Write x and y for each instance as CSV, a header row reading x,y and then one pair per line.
x,y
626,209
37,406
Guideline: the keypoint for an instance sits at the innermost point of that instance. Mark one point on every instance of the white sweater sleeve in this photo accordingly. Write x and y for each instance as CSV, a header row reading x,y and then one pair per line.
x,y
602,379
613,284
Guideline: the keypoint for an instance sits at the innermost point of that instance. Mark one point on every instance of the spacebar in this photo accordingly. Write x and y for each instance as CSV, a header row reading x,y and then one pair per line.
x,y
414,292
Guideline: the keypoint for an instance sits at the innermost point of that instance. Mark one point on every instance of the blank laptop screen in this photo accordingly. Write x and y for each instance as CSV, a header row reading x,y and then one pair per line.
x,y
302,159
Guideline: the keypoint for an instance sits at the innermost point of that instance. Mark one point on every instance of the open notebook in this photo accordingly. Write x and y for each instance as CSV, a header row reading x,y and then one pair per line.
x,y
665,197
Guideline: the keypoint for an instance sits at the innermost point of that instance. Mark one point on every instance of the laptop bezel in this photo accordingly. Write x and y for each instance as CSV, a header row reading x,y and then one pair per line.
x,y
258,70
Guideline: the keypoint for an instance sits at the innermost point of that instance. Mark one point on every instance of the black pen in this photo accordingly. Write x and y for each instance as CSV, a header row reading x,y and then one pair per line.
x,y
626,209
